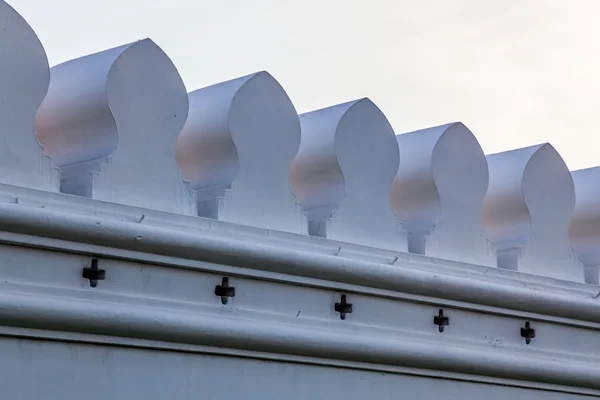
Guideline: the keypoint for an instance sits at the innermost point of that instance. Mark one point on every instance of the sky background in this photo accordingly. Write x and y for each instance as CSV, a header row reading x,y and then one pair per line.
x,y
516,72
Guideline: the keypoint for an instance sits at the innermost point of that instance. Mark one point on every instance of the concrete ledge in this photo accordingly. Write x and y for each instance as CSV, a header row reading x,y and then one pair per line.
x,y
120,319
226,251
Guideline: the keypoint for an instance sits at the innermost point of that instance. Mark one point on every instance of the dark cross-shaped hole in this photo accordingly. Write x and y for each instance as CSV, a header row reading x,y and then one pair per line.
x,y
528,333
93,273
343,307
224,291
441,321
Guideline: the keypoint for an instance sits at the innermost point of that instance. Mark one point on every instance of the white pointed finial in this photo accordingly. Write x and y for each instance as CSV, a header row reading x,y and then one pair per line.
x,y
236,150
110,122
24,77
527,212
438,193
584,230
343,173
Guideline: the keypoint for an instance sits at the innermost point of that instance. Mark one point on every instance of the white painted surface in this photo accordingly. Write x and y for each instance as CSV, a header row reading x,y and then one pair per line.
x,y
110,122
527,212
469,62
24,78
343,173
42,369
585,226
236,150
190,242
158,306
438,193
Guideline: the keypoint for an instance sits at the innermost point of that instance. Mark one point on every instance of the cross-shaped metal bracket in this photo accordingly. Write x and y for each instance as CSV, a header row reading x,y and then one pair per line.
x,y
224,291
343,307
527,332
441,321
93,273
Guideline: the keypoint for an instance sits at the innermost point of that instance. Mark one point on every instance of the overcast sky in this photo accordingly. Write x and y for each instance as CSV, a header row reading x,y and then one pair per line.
x,y
516,72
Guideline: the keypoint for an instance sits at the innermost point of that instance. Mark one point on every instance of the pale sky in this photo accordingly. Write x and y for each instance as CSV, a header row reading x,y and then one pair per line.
x,y
516,72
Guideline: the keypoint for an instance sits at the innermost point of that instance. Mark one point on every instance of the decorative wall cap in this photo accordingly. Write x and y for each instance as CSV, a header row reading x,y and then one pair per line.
x,y
228,184
585,224
110,121
527,211
343,172
119,127
236,149
24,80
438,193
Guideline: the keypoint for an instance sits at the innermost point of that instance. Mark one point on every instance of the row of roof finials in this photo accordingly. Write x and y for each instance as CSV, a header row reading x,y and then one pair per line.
x,y
119,126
